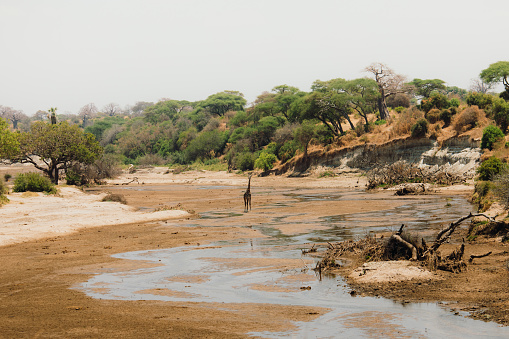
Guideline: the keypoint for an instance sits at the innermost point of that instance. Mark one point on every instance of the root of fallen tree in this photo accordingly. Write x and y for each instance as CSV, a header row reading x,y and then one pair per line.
x,y
404,246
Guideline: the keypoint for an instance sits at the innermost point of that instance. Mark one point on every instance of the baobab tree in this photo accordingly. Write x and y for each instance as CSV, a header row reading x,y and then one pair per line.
x,y
389,83
87,112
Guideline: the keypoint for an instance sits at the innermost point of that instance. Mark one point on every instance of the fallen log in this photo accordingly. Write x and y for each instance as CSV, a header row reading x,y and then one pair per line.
x,y
472,257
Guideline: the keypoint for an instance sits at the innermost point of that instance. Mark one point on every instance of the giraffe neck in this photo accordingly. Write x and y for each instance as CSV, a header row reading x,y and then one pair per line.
x,y
249,185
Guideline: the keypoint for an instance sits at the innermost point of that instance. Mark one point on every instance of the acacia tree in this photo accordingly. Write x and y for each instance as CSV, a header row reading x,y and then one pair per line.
x,y
389,83
225,101
497,72
424,88
54,147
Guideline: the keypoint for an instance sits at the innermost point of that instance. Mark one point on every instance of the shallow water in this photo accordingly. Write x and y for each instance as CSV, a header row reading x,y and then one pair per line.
x,y
272,270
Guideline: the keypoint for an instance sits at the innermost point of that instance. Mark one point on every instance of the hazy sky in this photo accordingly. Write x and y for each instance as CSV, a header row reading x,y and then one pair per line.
x,y
66,54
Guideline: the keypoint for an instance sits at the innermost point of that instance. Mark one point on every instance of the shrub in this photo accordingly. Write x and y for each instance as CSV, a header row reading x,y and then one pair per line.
x,y
150,160
420,128
433,115
454,102
399,109
3,190
7,176
501,187
500,113
33,182
265,161
436,100
479,99
398,100
108,166
467,119
447,114
115,198
382,121
489,168
245,161
490,135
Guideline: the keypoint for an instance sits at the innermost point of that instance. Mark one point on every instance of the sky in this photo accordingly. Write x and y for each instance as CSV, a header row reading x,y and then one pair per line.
x,y
67,54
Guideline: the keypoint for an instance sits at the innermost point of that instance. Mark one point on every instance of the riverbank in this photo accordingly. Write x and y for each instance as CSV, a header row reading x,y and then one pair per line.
x,y
37,276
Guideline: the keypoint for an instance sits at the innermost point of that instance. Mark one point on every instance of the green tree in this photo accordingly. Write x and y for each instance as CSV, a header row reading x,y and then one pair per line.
x,y
206,145
490,168
9,145
51,148
424,88
497,72
165,110
480,100
265,161
436,100
304,134
500,112
222,102
490,135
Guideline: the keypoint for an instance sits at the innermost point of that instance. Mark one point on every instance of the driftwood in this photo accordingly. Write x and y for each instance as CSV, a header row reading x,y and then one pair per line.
x,y
472,257
135,179
402,245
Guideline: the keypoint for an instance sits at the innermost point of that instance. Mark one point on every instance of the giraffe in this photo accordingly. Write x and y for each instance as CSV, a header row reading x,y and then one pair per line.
x,y
247,195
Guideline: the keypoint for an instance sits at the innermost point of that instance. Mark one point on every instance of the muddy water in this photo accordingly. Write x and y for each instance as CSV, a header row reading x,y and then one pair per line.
x,y
272,270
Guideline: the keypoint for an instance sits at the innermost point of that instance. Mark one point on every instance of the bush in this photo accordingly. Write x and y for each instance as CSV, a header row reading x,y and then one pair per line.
x,y
265,161
490,135
108,166
500,113
490,168
447,114
436,100
433,115
150,160
245,161
7,176
115,198
479,99
467,119
33,182
501,187
420,128
3,190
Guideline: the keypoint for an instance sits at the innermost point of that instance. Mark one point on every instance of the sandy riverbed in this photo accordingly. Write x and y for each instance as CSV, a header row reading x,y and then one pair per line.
x,y
52,243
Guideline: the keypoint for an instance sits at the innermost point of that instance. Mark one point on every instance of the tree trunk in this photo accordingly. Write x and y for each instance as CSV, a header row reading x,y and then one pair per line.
x,y
382,108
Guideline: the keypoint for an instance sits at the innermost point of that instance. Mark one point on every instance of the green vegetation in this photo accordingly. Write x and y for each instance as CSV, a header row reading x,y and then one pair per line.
x,y
490,135
490,168
420,128
33,182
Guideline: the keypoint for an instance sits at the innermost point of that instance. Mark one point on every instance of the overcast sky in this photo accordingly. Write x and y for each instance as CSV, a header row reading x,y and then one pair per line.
x,y
66,54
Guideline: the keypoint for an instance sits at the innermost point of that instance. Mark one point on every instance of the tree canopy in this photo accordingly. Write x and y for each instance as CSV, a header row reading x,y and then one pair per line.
x,y
497,72
222,102
424,88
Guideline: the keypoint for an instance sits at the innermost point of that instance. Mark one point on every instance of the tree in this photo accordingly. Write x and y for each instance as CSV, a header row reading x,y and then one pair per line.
x,y
304,134
53,115
15,116
497,72
480,86
86,113
139,107
222,102
285,96
165,110
389,83
362,96
9,145
500,111
424,88
111,109
51,148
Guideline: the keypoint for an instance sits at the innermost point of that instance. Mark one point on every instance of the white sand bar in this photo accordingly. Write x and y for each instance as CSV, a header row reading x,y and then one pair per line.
x,y
36,215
